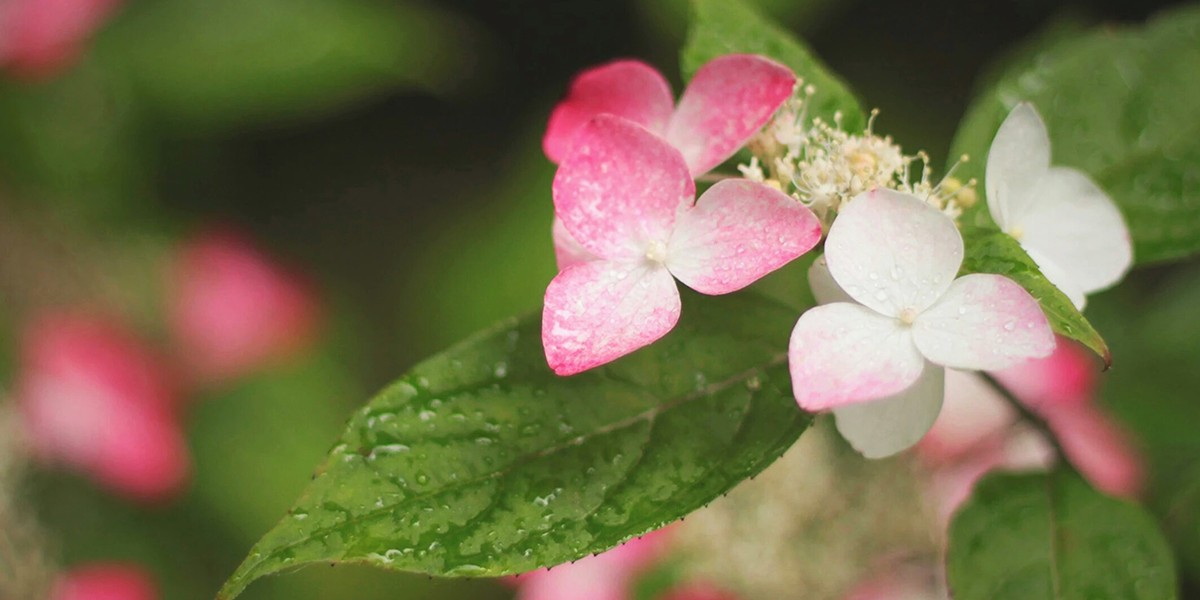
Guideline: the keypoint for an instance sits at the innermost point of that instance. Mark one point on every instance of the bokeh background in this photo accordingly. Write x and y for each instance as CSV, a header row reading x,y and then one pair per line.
x,y
265,210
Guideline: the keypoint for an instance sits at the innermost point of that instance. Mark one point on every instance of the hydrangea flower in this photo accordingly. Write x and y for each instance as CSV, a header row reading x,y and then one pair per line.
x,y
727,102
93,398
627,196
105,581
1067,224
878,361
233,309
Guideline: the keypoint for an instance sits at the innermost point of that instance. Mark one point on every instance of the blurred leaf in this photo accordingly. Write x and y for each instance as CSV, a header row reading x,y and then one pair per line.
x,y
75,139
217,64
721,27
1153,393
1118,104
482,462
1051,536
991,251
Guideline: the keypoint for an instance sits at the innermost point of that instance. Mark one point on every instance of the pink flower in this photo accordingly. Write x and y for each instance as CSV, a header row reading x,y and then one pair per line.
x,y
626,195
606,576
105,581
232,310
878,360
728,100
40,37
93,397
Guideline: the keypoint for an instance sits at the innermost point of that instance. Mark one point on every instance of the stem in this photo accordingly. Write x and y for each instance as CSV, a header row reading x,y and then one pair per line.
x,y
1028,416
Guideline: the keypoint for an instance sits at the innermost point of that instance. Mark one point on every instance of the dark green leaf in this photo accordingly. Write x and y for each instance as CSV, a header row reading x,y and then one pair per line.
x,y
1119,105
1051,536
221,63
482,462
991,251
721,27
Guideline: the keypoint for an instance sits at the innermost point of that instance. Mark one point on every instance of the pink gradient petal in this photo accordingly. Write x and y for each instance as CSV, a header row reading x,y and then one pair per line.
x,y
844,353
233,310
41,37
606,576
599,311
618,189
727,102
972,414
737,232
567,251
1068,377
92,397
893,252
1097,445
983,322
624,88
105,581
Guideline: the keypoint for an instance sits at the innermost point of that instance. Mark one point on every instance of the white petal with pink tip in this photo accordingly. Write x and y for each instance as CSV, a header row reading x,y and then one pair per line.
x,y
737,232
881,428
618,189
844,353
983,322
598,311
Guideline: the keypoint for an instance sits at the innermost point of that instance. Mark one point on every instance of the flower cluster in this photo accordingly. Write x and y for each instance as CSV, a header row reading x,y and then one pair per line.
x,y
894,315
825,167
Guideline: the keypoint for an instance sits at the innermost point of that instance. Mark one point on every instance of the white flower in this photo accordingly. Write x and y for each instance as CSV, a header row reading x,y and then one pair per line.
x,y
1068,225
897,316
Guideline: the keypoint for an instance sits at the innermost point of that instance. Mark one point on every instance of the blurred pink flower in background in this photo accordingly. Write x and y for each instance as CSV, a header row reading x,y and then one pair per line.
x,y
92,396
105,581
977,430
605,576
233,310
41,37
698,591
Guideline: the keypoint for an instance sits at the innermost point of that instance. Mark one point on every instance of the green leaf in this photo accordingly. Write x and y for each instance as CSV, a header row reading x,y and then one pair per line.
x,y
280,59
991,251
482,462
1051,536
1119,106
721,27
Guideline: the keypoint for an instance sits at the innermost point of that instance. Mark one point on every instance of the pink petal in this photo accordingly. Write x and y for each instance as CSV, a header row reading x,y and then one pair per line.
x,y
1068,377
892,252
973,414
568,251
105,581
233,310
41,37
737,232
983,322
844,353
606,576
94,398
618,189
727,102
599,311
625,88
1097,445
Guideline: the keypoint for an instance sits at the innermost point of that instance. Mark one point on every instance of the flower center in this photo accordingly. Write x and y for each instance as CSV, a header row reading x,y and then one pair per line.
x,y
656,251
907,316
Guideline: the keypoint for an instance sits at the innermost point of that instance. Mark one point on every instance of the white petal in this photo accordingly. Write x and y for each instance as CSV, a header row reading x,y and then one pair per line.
x,y
884,427
1018,158
984,322
844,353
1059,278
824,289
892,252
1075,225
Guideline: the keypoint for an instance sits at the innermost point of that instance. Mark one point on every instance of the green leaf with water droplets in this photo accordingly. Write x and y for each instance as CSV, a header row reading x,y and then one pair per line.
x,y
722,27
482,462
991,251
1120,106
1051,536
